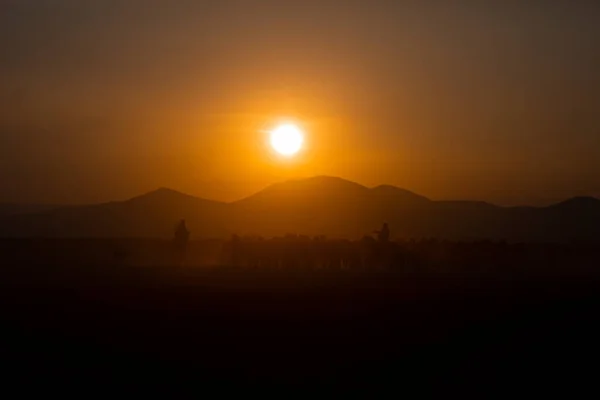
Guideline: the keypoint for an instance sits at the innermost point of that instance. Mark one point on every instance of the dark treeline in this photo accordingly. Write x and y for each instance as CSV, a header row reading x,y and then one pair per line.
x,y
426,255
300,311
309,253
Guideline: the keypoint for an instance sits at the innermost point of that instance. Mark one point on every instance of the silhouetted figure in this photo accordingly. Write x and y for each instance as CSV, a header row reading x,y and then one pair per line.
x,y
182,237
383,236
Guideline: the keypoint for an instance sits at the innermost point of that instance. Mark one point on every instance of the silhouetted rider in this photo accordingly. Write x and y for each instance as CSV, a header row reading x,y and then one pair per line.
x,y
383,236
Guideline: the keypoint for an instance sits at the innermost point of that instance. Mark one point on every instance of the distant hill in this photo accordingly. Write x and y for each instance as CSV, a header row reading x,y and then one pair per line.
x,y
321,205
154,214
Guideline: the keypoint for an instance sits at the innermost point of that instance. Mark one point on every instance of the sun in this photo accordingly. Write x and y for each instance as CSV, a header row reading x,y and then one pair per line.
x,y
287,139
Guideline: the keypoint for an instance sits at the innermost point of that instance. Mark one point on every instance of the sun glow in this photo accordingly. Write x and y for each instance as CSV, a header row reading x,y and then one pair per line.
x,y
287,139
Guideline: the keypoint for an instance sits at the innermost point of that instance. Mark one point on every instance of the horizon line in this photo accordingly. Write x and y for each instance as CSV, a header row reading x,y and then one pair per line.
x,y
184,193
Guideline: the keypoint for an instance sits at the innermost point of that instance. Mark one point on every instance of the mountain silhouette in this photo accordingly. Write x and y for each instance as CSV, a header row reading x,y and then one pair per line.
x,y
321,205
399,195
330,190
577,204
150,215
320,188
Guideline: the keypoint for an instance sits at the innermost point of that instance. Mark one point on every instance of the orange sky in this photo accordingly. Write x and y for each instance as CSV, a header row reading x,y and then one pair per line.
x,y
104,100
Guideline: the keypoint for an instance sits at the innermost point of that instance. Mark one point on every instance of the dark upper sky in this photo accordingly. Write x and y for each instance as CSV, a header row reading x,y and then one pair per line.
x,y
105,99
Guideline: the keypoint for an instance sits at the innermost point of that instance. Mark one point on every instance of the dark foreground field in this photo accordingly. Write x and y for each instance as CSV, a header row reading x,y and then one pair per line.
x,y
223,329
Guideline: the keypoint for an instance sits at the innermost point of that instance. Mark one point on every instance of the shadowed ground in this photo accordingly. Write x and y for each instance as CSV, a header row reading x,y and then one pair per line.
x,y
343,329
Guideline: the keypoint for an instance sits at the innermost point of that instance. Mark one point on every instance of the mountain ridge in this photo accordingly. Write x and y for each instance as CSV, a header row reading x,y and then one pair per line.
x,y
319,205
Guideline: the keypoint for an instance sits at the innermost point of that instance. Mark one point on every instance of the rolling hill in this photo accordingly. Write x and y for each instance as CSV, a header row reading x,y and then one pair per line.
x,y
154,214
321,205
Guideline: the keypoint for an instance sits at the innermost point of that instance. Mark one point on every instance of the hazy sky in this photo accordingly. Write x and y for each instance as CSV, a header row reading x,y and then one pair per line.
x,y
106,99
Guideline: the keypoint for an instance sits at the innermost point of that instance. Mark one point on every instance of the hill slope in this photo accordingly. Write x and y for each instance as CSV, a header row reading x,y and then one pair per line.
x,y
321,205
151,215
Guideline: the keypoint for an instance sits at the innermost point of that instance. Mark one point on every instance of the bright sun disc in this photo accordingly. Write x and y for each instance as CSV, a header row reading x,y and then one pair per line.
x,y
287,139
